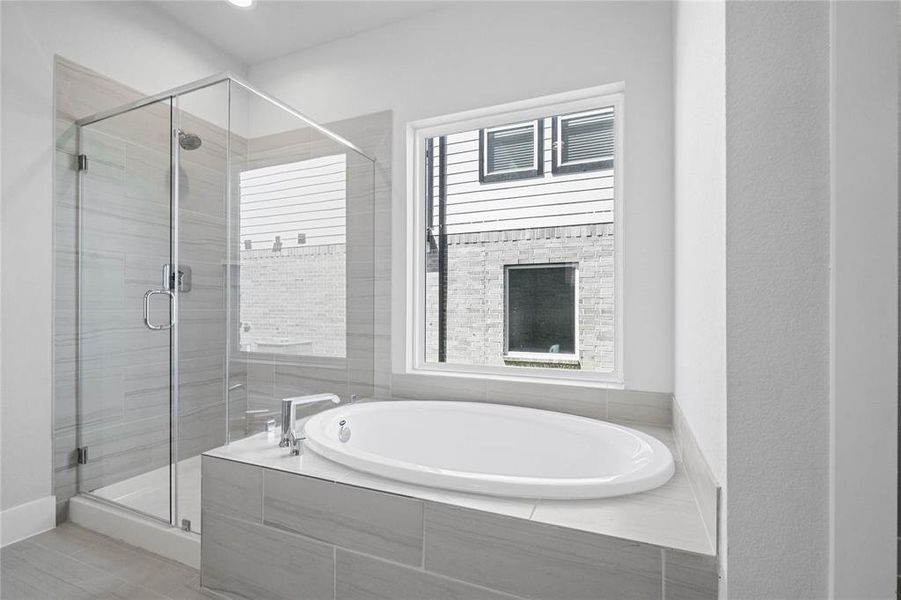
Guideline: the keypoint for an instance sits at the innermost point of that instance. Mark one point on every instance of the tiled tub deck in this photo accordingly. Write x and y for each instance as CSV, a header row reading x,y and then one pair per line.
x,y
277,526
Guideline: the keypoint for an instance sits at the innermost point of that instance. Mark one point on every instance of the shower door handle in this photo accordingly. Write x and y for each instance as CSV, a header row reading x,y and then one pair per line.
x,y
147,296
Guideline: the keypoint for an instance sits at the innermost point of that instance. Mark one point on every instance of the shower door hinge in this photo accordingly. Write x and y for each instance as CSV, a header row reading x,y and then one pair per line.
x,y
82,162
82,455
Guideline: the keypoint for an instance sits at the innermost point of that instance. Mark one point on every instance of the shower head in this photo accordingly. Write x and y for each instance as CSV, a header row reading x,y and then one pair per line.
x,y
189,141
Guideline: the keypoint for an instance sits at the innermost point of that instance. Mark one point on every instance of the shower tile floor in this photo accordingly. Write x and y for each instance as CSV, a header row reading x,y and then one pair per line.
x,y
149,492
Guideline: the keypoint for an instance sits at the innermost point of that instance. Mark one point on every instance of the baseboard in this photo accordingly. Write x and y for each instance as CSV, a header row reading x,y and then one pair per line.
x,y
168,542
26,520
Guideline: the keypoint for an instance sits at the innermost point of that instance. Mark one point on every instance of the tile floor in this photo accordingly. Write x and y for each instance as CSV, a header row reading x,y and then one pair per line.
x,y
72,563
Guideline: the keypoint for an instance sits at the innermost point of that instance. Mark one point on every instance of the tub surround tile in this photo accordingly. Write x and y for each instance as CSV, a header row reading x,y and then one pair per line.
x,y
385,525
689,576
245,560
359,577
535,560
704,485
262,450
648,408
513,507
232,489
666,516
434,387
385,544
576,400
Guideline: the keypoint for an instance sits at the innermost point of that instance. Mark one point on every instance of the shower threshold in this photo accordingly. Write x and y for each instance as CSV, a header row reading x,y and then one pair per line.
x,y
148,492
123,511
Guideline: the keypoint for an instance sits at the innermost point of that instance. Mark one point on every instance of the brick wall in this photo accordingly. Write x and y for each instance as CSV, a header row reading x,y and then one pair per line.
x,y
475,312
296,294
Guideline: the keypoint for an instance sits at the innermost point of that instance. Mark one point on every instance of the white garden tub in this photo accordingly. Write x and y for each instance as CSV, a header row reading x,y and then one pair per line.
x,y
491,449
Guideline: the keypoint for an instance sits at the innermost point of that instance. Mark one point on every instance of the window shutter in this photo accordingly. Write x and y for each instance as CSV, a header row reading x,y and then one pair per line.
x,y
587,138
511,149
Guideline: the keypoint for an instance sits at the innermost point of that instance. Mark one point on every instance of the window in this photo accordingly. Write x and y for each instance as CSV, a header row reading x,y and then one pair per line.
x,y
583,142
517,276
293,228
541,310
511,152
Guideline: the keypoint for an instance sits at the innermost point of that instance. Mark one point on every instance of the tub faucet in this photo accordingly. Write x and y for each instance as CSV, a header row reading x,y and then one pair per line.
x,y
290,438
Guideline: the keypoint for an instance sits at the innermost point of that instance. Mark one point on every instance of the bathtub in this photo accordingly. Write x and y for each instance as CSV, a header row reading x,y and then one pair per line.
x,y
490,449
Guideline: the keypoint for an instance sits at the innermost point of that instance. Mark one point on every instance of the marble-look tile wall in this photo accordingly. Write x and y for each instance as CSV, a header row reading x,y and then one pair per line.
x,y
126,218
271,377
273,534
124,422
125,367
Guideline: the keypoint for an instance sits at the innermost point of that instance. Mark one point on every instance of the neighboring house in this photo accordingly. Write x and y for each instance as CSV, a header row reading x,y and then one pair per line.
x,y
521,273
293,257
528,269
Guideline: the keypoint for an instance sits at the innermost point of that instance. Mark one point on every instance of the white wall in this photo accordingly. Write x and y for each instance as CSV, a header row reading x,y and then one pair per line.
x,y
777,298
480,55
803,216
864,356
131,43
700,225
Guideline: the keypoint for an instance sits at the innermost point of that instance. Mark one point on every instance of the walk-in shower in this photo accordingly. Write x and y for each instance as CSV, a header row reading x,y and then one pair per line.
x,y
224,247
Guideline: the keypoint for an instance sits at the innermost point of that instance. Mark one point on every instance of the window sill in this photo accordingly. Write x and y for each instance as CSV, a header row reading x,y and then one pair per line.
x,y
565,361
532,374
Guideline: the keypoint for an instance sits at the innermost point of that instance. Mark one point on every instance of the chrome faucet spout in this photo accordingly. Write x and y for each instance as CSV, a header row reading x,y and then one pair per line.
x,y
289,437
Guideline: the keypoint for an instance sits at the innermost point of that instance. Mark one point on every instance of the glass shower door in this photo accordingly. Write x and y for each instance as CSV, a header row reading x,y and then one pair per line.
x,y
126,310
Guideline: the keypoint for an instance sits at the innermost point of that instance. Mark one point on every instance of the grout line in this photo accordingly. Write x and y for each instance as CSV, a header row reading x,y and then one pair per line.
x,y
262,496
422,539
662,574
427,572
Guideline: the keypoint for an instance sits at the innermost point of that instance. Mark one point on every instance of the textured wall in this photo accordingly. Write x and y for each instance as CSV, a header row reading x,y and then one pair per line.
x,y
700,291
777,298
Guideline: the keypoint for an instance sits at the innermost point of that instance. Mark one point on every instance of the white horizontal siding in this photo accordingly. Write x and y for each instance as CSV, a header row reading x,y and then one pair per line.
x,y
309,197
548,201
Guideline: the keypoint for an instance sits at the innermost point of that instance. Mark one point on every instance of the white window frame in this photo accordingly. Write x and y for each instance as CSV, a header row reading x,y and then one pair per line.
x,y
567,357
410,359
537,151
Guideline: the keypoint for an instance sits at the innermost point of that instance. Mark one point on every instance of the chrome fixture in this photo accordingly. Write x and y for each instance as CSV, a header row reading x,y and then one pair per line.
x,y
147,297
182,278
290,439
189,141
343,431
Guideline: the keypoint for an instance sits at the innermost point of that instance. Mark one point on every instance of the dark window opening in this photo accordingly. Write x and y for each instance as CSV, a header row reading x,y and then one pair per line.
x,y
541,308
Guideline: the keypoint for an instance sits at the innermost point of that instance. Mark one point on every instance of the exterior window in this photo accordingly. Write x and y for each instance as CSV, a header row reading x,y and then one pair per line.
x,y
293,228
583,142
517,276
541,310
511,152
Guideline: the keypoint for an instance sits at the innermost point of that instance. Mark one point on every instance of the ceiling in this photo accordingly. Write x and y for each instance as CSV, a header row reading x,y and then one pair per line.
x,y
274,28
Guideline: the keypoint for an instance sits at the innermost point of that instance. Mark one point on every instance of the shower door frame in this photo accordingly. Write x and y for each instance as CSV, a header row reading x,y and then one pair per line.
x,y
172,96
